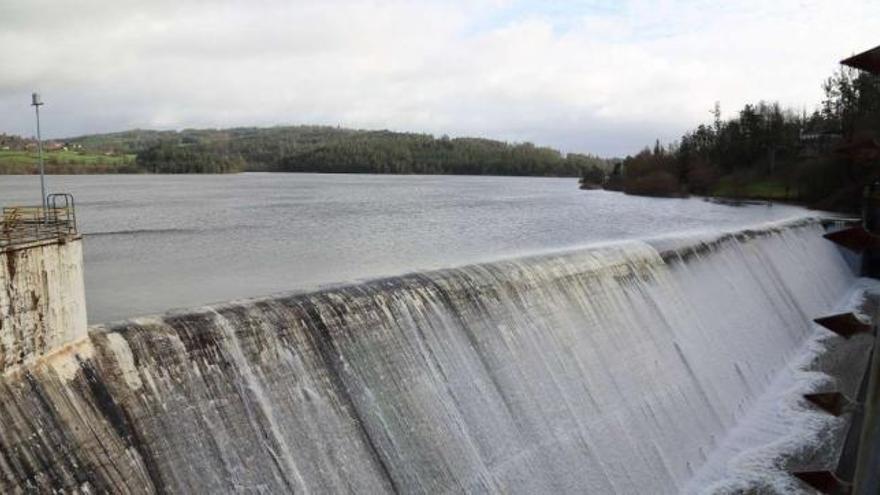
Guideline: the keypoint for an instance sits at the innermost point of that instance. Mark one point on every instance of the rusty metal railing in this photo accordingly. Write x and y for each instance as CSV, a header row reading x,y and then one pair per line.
x,y
23,224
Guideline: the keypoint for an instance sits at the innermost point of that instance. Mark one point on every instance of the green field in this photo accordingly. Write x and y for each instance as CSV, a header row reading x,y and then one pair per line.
x,y
758,189
65,162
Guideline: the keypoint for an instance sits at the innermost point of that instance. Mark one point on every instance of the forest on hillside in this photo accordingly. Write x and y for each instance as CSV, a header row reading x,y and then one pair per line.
x,y
322,149
332,150
823,158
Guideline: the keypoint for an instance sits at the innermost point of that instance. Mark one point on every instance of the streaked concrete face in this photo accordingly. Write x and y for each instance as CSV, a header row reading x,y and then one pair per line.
x,y
42,299
615,369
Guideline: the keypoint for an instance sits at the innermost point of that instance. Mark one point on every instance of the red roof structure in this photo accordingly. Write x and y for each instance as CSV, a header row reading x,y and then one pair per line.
x,y
868,61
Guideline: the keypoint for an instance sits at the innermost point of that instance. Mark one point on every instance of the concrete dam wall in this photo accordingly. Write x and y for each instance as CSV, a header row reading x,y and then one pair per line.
x,y
615,369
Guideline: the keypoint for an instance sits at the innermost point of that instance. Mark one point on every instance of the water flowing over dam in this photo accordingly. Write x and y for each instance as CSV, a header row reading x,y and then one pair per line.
x,y
612,369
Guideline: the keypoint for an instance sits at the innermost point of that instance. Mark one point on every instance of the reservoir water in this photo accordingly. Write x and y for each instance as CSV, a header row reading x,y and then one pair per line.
x,y
153,243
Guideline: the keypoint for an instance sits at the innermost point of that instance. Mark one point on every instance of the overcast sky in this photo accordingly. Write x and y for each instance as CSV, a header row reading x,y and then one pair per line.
x,y
597,76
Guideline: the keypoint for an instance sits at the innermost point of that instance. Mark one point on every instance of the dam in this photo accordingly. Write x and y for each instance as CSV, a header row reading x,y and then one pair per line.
x,y
676,364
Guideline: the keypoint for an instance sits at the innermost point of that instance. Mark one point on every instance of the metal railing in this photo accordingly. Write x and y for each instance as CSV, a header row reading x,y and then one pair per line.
x,y
23,224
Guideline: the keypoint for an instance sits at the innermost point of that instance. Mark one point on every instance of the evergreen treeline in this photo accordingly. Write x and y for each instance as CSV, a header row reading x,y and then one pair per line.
x,y
769,152
335,150
171,158
394,153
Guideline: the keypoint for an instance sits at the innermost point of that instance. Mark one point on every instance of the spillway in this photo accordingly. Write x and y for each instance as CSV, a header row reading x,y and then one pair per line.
x,y
622,368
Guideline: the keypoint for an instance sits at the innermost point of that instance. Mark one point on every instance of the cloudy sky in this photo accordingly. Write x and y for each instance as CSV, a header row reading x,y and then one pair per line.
x,y
583,75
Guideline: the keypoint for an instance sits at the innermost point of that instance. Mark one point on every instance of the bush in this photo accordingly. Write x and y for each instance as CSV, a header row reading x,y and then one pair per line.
x,y
658,183
702,176
821,177
592,178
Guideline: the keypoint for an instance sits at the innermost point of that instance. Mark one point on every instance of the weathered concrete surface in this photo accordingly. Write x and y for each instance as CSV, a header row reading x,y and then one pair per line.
x,y
867,476
42,299
609,370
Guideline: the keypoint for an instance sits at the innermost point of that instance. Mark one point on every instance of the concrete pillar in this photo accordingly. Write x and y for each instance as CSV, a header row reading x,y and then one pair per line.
x,y
42,299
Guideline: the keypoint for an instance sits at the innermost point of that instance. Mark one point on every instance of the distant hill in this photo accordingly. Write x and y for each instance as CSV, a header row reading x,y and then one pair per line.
x,y
294,149
18,155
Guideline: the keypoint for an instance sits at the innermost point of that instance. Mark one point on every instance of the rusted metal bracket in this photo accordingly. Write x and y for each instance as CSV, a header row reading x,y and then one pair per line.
x,y
854,238
834,403
844,324
824,482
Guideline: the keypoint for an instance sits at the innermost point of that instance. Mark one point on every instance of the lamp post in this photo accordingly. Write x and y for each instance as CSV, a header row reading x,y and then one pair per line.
x,y
36,102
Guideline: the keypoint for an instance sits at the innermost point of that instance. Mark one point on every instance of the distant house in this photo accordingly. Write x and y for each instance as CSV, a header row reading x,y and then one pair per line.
x,y
817,143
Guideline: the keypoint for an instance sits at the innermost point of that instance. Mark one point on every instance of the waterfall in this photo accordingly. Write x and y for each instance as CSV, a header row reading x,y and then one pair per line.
x,y
610,369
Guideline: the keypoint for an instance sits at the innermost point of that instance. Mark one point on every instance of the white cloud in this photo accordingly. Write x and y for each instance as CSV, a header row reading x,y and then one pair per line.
x,y
580,76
